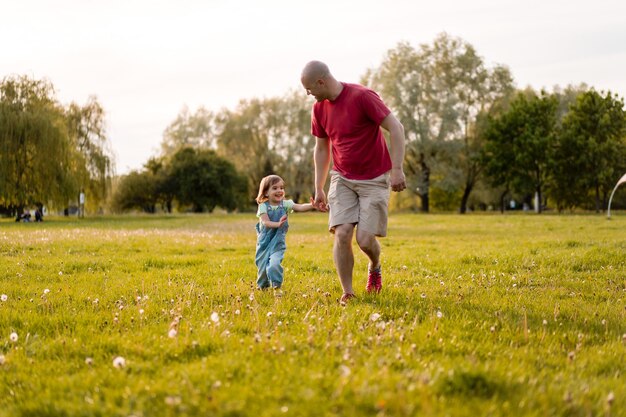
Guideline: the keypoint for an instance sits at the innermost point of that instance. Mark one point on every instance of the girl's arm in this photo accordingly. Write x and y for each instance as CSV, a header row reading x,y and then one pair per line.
x,y
304,207
265,219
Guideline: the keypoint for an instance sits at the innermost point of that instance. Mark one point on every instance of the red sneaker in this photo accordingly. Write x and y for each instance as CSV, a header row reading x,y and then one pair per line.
x,y
374,280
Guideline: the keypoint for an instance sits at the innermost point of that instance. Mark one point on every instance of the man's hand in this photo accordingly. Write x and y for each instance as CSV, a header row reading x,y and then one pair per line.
x,y
397,179
320,202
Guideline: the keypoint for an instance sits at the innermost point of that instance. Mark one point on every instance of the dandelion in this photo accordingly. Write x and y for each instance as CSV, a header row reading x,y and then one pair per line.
x,y
60,272
13,337
141,311
237,312
571,356
439,314
423,295
492,329
217,384
610,398
172,400
374,316
172,333
344,371
441,283
404,267
269,314
284,409
46,291
215,317
251,297
545,322
4,297
89,361
119,362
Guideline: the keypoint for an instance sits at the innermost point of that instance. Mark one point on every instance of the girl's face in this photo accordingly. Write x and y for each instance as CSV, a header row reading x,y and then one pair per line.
x,y
276,193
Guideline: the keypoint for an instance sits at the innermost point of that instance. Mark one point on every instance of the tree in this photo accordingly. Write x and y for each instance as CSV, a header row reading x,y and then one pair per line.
x,y
519,140
289,120
36,157
137,190
438,93
195,130
87,133
205,181
591,150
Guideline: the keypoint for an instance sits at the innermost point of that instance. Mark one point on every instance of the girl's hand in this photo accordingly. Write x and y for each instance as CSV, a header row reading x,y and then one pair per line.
x,y
282,220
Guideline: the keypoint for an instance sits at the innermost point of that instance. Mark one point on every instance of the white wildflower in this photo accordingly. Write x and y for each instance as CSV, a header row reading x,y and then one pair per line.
x,y
215,317
13,337
172,333
374,316
4,297
119,362
46,291
439,314
89,361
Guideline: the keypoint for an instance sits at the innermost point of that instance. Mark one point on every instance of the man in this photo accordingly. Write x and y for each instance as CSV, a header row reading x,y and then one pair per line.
x,y
346,120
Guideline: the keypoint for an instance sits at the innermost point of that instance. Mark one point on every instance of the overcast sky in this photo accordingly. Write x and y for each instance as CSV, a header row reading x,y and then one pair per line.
x,y
145,60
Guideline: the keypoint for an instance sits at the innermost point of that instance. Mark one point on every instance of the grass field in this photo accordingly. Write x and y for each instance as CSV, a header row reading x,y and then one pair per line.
x,y
480,315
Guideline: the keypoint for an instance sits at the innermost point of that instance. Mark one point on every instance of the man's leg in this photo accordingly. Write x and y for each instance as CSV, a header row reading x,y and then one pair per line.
x,y
370,246
344,258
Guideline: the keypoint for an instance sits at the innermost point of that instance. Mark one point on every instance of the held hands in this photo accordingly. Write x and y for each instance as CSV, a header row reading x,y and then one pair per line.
x,y
320,202
397,179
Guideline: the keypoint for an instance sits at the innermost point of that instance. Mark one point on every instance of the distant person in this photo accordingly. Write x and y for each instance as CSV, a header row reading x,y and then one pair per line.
x,y
38,215
81,204
346,121
271,230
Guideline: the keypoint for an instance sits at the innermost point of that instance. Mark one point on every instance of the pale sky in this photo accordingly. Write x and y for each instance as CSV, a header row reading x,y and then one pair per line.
x,y
145,60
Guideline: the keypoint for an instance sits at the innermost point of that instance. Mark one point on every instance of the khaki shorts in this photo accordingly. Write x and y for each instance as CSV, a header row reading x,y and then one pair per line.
x,y
361,202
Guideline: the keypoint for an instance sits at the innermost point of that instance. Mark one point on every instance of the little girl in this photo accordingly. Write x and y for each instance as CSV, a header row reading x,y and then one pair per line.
x,y
271,230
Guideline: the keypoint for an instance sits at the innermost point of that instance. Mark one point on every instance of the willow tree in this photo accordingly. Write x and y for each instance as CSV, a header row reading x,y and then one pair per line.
x,y
36,157
93,166
438,92
48,152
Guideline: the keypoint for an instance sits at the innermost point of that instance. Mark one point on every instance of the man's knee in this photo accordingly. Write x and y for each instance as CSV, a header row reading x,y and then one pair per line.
x,y
343,233
366,241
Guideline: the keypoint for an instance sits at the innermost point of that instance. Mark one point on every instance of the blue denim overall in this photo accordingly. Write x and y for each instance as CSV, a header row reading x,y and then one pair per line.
x,y
270,249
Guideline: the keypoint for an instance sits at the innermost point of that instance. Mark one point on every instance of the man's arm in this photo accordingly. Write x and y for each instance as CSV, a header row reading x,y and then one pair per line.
x,y
396,132
321,160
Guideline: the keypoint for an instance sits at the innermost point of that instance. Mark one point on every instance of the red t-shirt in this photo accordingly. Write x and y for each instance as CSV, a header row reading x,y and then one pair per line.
x,y
352,123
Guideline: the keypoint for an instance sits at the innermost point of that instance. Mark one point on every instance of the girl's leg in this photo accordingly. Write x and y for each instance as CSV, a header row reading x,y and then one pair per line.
x,y
275,269
261,261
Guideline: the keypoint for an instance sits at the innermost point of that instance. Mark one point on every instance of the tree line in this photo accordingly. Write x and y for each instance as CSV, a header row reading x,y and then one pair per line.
x,y
474,140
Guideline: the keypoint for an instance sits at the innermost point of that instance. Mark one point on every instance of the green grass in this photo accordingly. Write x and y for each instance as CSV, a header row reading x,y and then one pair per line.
x,y
480,315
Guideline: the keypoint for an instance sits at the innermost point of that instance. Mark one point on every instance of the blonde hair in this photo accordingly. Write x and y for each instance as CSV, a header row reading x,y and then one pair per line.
x,y
265,185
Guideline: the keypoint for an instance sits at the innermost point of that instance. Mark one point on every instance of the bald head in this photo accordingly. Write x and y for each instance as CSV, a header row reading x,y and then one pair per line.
x,y
319,82
315,70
